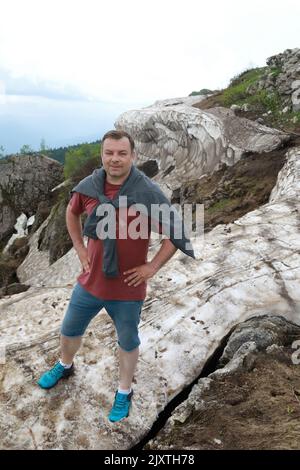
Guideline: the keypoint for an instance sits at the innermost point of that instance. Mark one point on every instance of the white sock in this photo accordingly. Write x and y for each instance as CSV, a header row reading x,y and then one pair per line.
x,y
126,392
66,366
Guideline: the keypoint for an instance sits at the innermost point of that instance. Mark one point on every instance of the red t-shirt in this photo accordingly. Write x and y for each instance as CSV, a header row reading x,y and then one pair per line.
x,y
131,253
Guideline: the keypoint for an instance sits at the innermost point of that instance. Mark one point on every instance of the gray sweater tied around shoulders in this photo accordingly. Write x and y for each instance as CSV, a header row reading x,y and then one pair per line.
x,y
137,189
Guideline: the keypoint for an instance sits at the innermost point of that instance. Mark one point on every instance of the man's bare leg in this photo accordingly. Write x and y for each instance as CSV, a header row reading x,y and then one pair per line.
x,y
69,346
128,362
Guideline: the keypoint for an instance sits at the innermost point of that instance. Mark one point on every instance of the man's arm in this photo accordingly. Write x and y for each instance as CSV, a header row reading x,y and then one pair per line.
x,y
141,273
166,251
73,222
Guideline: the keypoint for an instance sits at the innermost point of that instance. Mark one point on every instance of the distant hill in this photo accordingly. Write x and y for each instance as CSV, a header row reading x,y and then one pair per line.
x,y
59,153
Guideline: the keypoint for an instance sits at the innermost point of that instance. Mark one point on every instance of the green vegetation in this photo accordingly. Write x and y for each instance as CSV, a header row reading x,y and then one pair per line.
x,y
55,153
261,101
43,146
59,153
275,71
26,149
222,204
2,150
77,158
237,92
204,91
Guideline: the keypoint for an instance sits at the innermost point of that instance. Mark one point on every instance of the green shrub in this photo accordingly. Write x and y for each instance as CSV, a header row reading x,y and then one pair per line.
x,y
79,157
266,101
276,71
204,91
237,93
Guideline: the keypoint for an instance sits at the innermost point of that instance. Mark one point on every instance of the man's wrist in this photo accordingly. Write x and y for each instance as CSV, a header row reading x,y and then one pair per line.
x,y
78,245
155,265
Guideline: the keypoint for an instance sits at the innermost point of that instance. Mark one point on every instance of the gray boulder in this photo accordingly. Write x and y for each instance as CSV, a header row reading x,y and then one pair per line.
x,y
25,181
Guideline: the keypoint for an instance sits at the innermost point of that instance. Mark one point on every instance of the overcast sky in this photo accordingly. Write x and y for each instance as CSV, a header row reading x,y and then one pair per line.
x,y
126,54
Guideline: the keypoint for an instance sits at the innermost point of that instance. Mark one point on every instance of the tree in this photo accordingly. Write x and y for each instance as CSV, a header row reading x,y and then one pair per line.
x,y
26,149
43,146
76,158
2,149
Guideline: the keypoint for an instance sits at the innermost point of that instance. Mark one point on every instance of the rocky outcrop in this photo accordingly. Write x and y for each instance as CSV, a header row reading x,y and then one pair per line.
x,y
232,191
263,332
186,100
185,142
25,181
250,401
282,76
22,226
54,238
12,256
243,269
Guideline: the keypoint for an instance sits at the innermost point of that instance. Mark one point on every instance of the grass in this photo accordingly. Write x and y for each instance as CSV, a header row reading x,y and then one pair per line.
x,y
222,204
237,92
262,101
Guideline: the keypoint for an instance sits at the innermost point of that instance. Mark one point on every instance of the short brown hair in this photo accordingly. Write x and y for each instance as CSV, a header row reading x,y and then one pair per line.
x,y
117,135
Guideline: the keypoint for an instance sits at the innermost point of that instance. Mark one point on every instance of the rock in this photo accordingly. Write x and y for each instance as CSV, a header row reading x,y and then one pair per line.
x,y
231,192
246,107
264,331
296,100
186,100
235,107
54,238
22,231
14,288
274,348
25,180
286,79
187,142
295,85
239,403
43,211
19,248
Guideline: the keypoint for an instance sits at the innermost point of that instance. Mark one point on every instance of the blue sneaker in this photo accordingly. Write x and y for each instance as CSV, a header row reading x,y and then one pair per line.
x,y
121,407
52,376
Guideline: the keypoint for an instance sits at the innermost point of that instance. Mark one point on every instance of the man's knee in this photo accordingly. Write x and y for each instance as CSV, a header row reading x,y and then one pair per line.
x,y
128,342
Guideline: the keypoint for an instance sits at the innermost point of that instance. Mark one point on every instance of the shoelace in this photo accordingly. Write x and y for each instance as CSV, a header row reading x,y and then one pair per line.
x,y
56,371
120,401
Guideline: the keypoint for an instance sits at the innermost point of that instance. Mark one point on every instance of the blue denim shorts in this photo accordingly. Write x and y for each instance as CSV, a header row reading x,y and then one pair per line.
x,y
83,307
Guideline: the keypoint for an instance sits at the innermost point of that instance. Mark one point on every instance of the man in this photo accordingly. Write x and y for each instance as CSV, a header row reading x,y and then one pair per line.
x,y
120,286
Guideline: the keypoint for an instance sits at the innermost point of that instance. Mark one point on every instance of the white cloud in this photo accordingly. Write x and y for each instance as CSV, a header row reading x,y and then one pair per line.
x,y
131,51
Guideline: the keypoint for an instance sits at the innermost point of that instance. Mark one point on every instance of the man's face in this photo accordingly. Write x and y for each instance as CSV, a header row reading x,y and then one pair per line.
x,y
117,159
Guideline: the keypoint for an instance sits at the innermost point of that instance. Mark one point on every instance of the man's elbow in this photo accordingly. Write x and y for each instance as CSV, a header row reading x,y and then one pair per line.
x,y
170,244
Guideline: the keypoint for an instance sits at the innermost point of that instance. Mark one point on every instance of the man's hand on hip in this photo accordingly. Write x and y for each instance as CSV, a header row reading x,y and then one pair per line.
x,y
84,259
139,274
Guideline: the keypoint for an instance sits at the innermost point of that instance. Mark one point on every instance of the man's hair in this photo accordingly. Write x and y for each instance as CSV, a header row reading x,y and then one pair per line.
x,y
117,135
